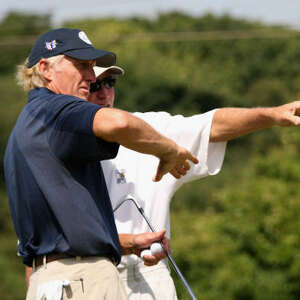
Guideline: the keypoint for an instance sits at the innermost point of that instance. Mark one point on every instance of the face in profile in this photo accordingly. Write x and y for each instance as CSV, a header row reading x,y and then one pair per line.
x,y
72,77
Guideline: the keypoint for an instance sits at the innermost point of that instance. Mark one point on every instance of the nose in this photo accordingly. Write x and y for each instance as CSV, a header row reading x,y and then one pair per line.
x,y
103,92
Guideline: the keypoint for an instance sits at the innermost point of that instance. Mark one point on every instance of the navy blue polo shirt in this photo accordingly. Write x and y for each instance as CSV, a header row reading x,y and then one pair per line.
x,y
56,188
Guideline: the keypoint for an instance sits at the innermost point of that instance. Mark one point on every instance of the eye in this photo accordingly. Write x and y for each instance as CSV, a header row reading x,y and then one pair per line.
x,y
82,65
85,65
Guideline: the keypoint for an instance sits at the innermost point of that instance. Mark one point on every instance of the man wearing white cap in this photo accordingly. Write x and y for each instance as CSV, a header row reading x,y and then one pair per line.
x,y
130,172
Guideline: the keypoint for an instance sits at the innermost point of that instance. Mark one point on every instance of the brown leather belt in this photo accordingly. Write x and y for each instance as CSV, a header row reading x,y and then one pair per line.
x,y
39,260
50,257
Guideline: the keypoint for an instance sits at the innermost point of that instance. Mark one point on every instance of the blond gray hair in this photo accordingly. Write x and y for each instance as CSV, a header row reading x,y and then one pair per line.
x,y
32,78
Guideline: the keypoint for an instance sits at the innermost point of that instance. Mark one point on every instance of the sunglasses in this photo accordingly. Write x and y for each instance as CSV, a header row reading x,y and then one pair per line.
x,y
108,82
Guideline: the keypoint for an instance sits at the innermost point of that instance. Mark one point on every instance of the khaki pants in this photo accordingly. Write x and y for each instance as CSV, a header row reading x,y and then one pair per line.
x,y
148,283
89,278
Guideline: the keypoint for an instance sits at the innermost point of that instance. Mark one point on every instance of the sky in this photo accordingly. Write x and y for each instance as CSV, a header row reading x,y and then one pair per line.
x,y
284,12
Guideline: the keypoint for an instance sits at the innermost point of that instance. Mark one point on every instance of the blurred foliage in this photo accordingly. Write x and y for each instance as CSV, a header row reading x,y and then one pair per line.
x,y
234,235
18,32
247,243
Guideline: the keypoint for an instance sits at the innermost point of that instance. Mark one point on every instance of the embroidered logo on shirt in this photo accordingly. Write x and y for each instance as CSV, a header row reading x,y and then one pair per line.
x,y
120,175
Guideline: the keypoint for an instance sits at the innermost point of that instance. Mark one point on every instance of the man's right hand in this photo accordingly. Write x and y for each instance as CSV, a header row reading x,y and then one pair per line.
x,y
175,162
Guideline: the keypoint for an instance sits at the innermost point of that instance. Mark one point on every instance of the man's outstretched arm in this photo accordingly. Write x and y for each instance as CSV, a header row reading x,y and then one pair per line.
x,y
118,126
230,123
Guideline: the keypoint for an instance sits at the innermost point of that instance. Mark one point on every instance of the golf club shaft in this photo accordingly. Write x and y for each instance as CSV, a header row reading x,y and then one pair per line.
x,y
175,267
181,276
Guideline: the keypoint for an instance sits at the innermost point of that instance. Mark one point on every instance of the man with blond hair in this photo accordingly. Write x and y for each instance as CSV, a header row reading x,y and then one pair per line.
x,y
204,134
58,198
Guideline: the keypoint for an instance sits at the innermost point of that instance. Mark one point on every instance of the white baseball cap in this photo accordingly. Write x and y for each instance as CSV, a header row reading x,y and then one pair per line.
x,y
113,70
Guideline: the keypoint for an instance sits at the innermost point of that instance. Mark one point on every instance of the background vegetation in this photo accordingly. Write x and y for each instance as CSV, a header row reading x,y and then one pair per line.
x,y
235,235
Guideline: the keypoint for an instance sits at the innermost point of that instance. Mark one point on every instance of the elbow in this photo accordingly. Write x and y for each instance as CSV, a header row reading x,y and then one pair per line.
x,y
111,124
214,136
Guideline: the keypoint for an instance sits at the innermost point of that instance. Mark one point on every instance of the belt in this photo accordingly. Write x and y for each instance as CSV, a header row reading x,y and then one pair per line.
x,y
47,258
40,259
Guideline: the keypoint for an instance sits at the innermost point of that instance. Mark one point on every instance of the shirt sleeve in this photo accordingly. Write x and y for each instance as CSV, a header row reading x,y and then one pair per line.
x,y
72,137
192,133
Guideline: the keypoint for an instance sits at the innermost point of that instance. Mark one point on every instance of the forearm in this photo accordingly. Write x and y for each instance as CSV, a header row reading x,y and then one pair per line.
x,y
28,271
118,126
127,243
230,123
134,243
121,127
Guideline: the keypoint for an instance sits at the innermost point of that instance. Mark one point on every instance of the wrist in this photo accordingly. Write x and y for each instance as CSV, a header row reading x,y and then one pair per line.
x,y
127,244
267,116
169,149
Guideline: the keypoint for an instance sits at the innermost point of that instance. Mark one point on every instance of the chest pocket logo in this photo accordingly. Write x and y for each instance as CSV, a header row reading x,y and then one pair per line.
x,y
120,176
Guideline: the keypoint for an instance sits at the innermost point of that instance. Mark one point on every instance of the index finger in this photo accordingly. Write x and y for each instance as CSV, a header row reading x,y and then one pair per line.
x,y
192,158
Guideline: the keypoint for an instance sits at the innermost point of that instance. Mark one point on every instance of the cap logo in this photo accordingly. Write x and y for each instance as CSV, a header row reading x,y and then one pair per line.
x,y
84,37
51,45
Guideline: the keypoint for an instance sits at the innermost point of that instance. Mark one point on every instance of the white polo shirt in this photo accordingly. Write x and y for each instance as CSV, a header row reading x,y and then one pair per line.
x,y
131,172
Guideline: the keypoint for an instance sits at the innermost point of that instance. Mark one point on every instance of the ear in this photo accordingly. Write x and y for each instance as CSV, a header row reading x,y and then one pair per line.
x,y
45,69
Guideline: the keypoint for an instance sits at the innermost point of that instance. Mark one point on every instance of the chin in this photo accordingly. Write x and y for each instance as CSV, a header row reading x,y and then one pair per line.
x,y
103,104
83,96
